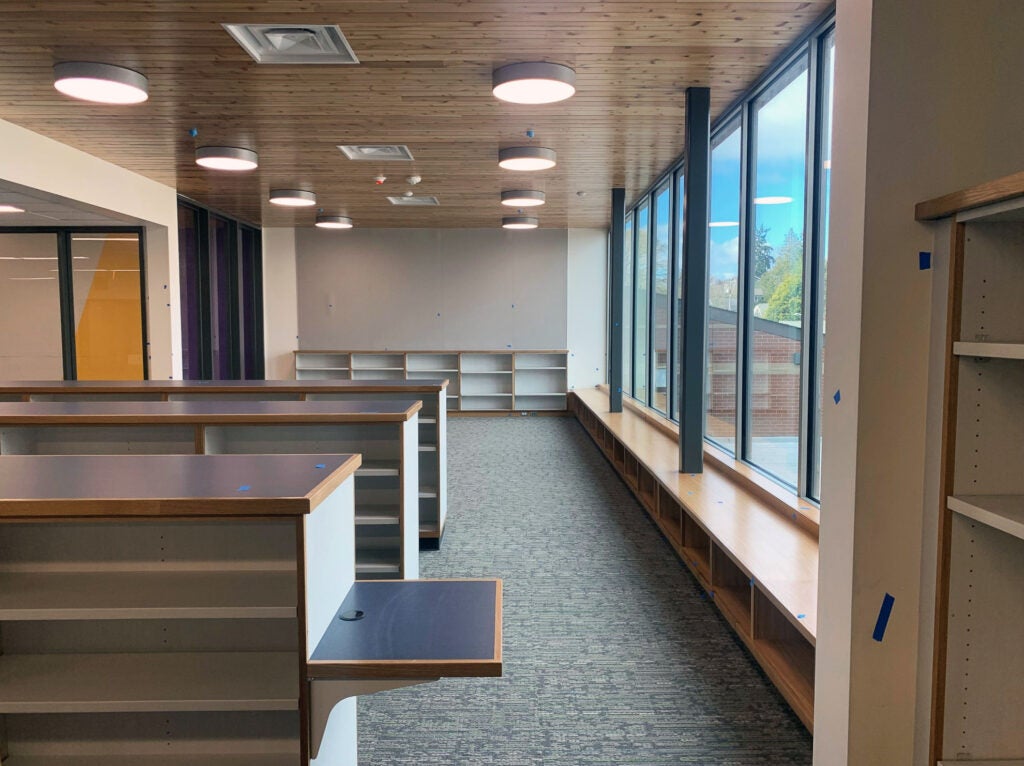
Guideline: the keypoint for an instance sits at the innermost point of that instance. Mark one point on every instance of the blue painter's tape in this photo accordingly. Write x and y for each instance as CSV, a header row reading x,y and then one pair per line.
x,y
320,465
883,617
244,488
800,616
837,396
924,260
751,583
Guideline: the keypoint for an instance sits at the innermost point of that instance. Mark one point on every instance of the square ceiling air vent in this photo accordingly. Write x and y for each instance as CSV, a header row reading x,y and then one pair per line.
x,y
414,201
293,43
376,152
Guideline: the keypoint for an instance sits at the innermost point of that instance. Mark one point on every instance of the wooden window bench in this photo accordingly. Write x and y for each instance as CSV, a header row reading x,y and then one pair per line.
x,y
759,566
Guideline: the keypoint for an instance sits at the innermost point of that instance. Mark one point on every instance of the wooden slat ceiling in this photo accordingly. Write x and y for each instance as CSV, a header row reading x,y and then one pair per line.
x,y
424,80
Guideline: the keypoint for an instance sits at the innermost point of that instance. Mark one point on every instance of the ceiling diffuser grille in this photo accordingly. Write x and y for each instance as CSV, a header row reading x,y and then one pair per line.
x,y
376,152
414,201
293,43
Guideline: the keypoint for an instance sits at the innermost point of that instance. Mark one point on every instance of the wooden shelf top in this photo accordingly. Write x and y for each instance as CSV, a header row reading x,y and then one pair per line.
x,y
206,412
775,552
414,629
413,352
150,682
168,485
1002,512
418,385
983,194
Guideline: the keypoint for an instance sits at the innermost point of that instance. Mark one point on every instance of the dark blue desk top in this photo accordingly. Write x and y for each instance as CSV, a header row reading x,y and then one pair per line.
x,y
414,629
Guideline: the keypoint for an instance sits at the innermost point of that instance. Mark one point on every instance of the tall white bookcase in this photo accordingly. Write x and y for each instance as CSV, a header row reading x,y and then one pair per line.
x,y
480,381
978,705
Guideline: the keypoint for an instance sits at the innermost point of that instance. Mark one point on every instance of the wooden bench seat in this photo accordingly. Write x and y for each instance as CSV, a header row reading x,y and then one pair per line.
x,y
759,567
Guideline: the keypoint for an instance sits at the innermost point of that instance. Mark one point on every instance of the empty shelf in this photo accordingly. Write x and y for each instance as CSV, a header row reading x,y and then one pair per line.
x,y
992,350
487,372
177,759
375,561
527,369
153,682
427,492
1002,512
483,396
376,519
322,369
428,448
428,529
428,420
379,468
146,595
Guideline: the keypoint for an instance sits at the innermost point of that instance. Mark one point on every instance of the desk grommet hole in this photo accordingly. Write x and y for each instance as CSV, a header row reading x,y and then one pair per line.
x,y
352,615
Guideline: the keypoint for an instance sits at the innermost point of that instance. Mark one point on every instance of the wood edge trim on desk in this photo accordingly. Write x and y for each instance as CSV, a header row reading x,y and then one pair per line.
x,y
212,419
353,670
767,491
414,385
975,196
56,509
335,479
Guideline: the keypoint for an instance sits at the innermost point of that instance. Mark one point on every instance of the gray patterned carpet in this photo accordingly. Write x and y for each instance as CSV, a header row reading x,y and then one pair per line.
x,y
611,655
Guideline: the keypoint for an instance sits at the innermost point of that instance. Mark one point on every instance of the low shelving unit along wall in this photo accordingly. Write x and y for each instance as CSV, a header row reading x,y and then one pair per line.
x,y
481,381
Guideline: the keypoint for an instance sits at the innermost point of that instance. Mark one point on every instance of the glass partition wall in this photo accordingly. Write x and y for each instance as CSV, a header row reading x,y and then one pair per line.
x,y
768,228
76,299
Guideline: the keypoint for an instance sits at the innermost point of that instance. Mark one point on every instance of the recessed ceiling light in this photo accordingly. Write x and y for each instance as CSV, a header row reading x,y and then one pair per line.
x,y
522,198
533,82
100,83
722,224
10,209
772,200
226,158
519,222
333,222
292,197
526,158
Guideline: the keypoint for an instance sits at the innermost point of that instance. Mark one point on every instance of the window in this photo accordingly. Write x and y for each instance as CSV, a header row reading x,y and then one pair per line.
x,y
776,270
627,310
723,289
770,170
641,303
661,313
76,296
221,280
828,66
677,276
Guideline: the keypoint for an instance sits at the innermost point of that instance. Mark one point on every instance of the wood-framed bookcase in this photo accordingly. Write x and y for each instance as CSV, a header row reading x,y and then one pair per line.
x,y
977,696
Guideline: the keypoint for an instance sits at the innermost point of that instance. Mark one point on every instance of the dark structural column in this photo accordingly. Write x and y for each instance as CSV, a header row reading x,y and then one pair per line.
x,y
615,285
697,181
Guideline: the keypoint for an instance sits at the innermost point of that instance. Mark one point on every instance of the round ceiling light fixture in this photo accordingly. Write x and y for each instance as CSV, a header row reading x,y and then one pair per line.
x,y
100,83
772,200
526,158
519,222
292,197
533,82
522,198
333,222
226,158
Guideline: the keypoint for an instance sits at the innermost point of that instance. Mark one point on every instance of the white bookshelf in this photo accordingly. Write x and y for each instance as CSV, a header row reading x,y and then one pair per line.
x,y
977,713
479,381
386,437
134,639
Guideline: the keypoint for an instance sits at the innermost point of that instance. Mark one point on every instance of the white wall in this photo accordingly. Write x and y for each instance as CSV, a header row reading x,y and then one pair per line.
x,y
36,162
30,329
942,112
432,288
280,303
587,307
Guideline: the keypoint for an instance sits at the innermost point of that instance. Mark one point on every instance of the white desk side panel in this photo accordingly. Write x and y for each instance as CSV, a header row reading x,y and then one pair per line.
x,y
330,572
411,498
442,458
